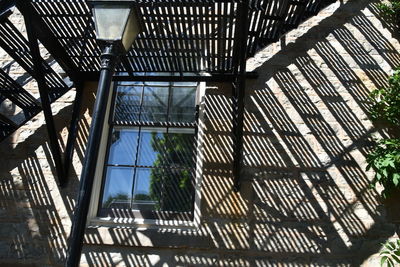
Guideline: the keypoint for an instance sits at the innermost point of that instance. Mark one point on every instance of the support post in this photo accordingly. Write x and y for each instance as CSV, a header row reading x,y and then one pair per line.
x,y
72,131
108,62
238,91
73,127
44,96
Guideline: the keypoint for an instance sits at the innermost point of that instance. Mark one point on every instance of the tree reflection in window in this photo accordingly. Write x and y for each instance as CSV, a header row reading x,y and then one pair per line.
x,y
171,187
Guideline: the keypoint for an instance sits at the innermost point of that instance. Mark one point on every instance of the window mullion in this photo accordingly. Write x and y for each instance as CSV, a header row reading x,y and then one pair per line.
x,y
138,139
169,102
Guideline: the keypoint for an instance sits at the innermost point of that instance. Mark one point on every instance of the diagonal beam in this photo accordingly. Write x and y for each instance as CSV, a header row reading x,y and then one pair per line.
x,y
7,126
17,46
5,6
44,94
11,90
6,121
40,31
47,38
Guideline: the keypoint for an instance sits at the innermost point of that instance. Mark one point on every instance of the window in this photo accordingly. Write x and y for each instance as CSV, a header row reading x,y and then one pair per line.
x,y
150,162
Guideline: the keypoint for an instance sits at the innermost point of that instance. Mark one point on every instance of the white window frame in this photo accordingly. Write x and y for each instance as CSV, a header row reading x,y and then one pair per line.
x,y
94,221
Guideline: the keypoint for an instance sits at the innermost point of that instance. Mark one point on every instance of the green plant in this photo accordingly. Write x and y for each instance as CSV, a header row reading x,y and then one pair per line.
x,y
391,7
391,254
385,161
385,102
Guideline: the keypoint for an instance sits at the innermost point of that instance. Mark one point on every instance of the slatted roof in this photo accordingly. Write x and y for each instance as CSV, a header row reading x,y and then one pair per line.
x,y
180,37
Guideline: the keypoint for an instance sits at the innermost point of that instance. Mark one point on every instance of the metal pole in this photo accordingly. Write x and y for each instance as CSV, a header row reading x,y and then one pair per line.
x,y
238,94
108,62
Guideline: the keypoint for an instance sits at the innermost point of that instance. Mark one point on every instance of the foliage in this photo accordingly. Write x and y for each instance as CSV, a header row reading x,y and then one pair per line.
x,y
385,161
386,101
171,180
391,7
391,254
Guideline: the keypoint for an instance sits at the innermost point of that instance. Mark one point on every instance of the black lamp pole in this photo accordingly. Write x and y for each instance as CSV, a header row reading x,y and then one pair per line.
x,y
109,59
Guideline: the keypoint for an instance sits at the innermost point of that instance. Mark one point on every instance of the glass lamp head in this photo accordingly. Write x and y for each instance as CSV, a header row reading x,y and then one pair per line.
x,y
116,22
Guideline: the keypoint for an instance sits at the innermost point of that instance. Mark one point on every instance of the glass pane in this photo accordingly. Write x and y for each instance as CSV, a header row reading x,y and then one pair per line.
x,y
155,102
151,146
172,189
180,148
118,187
163,189
127,103
141,191
123,147
110,22
183,104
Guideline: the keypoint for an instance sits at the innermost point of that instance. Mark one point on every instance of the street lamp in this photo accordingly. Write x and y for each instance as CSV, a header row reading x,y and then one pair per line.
x,y
116,22
117,26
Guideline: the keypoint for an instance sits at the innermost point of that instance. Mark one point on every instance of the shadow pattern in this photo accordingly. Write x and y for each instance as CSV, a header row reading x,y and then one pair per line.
x,y
305,197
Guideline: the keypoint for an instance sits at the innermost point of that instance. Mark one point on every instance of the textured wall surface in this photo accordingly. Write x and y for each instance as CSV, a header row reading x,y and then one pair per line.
x,y
304,199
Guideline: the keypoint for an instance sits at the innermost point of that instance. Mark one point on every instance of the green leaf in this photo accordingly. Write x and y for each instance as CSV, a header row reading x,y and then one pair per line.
x,y
390,246
383,259
396,179
391,163
396,258
390,262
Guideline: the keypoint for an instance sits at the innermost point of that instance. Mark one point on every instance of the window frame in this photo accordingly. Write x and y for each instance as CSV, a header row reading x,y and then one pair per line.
x,y
138,213
95,221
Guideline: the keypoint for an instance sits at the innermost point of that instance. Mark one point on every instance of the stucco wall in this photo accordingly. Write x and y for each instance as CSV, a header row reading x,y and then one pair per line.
x,y
304,198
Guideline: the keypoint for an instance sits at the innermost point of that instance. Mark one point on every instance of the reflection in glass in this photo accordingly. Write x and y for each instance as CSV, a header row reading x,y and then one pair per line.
x,y
154,106
172,185
150,147
123,146
172,189
180,147
118,187
182,108
142,185
127,103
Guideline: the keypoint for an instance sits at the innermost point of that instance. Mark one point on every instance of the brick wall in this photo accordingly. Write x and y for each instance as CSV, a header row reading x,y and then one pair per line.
x,y
304,198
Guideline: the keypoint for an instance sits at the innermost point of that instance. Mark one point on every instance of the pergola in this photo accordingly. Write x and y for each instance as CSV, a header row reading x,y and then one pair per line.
x,y
186,40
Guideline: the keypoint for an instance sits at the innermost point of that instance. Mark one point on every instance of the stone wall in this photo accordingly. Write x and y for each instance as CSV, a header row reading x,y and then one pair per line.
x,y
304,199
